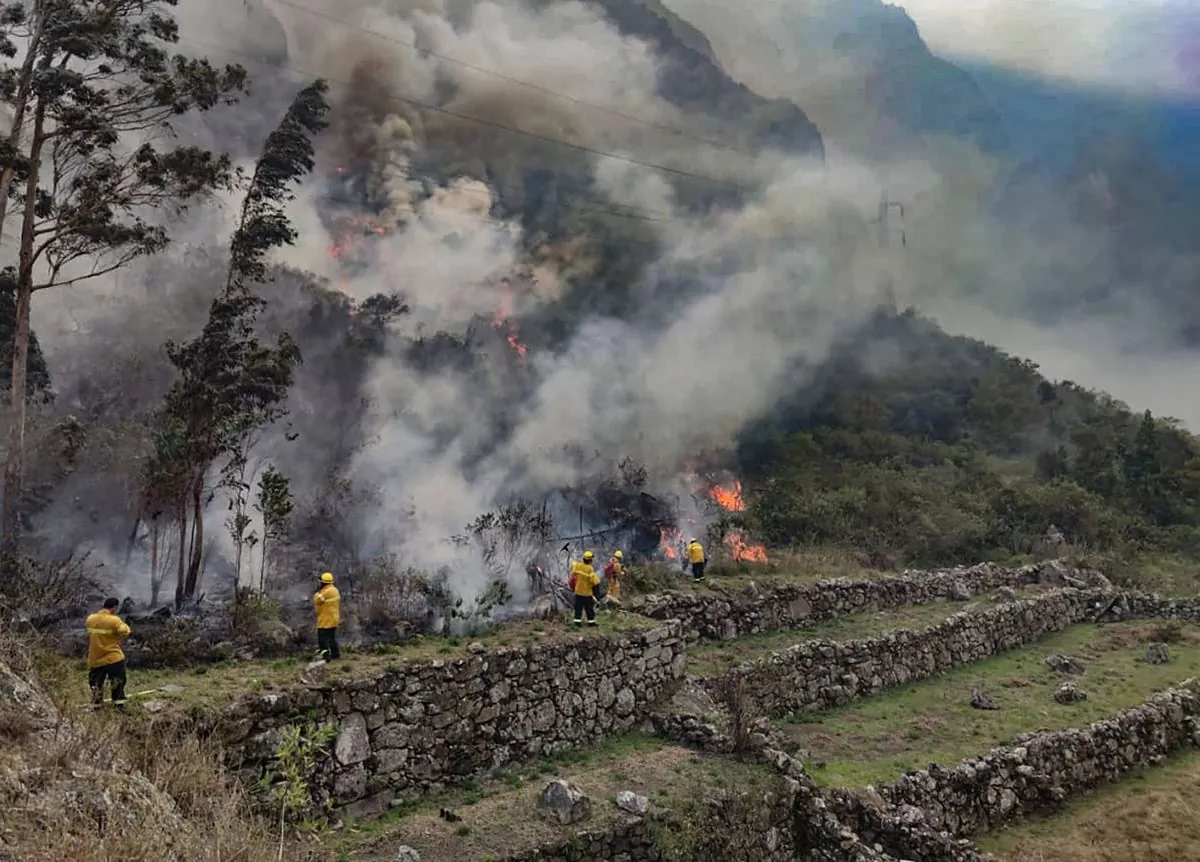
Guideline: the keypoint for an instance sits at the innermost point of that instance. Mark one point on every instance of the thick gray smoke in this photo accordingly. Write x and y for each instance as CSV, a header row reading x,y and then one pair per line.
x,y
988,275
769,285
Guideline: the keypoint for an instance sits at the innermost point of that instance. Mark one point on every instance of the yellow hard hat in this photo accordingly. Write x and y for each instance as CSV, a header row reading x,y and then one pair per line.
x,y
619,555
327,578
587,555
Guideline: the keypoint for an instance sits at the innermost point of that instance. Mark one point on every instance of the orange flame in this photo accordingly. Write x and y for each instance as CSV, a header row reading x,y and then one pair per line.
x,y
500,318
669,541
741,551
729,499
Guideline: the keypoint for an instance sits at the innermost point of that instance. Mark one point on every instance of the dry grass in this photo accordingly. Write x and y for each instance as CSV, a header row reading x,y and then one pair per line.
x,y
1153,816
109,786
220,683
500,816
805,566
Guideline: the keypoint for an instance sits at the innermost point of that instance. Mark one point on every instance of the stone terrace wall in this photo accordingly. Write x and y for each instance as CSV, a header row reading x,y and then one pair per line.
x,y
1039,770
1134,605
819,674
423,726
629,841
783,606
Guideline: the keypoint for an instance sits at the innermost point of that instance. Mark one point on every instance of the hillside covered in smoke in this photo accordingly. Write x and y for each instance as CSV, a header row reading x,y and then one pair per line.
x,y
555,255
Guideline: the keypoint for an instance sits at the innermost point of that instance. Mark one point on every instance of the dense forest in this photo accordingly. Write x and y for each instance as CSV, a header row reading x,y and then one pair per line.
x,y
918,447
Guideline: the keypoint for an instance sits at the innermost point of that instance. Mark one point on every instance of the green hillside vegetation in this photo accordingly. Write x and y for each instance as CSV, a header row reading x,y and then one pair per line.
x,y
916,447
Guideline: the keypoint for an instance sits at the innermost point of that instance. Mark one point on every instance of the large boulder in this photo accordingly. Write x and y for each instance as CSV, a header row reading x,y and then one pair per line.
x,y
565,801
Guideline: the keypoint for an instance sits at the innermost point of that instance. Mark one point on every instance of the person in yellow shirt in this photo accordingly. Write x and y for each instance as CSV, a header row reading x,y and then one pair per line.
x,y
584,581
613,572
327,602
695,554
106,659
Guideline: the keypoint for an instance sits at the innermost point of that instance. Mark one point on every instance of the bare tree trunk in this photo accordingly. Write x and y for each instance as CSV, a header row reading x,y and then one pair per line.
x,y
155,577
193,571
131,542
14,469
181,569
20,104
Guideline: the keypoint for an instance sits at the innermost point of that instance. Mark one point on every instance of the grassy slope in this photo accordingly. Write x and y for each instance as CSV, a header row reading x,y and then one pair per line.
x,y
877,739
500,816
1148,817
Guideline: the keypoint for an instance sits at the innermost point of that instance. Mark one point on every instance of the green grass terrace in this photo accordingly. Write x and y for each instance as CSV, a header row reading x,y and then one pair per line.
x,y
877,739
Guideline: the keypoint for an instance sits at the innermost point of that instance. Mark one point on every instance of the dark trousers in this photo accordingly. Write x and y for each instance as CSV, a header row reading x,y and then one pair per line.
x,y
97,676
698,571
327,643
585,605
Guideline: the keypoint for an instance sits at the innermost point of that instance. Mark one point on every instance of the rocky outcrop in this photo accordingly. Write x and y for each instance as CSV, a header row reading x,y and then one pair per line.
x,y
420,727
819,674
783,606
1038,771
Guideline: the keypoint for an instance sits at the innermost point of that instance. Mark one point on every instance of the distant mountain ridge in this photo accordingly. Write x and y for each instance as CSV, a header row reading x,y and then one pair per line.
x,y
694,80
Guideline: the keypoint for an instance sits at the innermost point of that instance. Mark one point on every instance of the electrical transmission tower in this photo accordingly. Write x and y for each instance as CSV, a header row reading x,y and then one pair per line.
x,y
887,281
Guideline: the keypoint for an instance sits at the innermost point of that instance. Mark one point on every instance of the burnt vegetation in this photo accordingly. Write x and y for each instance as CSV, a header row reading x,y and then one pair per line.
x,y
905,445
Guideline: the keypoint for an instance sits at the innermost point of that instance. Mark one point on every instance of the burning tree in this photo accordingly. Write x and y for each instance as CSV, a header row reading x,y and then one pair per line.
x,y
229,384
94,91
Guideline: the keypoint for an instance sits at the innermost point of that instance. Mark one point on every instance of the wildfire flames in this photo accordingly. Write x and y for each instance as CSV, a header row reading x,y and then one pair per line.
x,y
669,541
729,499
501,321
735,542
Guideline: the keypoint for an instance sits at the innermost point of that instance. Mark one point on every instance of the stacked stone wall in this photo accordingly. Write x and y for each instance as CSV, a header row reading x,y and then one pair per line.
x,y
771,607
1040,770
821,674
403,733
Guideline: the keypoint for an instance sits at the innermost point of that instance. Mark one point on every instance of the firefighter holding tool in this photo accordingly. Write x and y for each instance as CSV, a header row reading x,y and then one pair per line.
x,y
583,582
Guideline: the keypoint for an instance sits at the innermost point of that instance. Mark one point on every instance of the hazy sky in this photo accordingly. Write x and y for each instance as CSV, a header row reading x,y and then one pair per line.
x,y
1132,45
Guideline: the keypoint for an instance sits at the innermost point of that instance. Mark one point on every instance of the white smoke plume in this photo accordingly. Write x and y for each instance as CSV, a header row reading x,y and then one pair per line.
x,y
767,287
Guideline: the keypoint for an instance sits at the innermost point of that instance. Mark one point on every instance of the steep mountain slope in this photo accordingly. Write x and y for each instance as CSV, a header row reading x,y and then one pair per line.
x,y
859,67
693,79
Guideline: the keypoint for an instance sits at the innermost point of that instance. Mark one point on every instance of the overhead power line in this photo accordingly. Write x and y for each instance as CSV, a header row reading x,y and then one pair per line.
x,y
399,98
653,124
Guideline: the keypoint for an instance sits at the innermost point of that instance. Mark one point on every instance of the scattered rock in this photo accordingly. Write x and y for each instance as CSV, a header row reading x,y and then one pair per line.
x,y
631,802
476,648
565,801
1060,663
1004,595
407,854
448,815
960,592
1157,653
1069,692
544,608
153,706
314,672
979,700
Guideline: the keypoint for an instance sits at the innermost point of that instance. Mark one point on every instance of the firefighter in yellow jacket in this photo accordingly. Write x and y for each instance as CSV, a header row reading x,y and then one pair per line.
x,y
327,602
614,571
106,659
695,554
584,581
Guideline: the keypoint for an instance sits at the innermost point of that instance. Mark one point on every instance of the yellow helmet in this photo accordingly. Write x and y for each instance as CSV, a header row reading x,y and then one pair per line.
x,y
619,555
327,578
587,555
